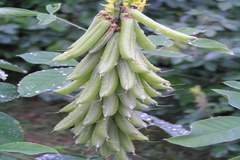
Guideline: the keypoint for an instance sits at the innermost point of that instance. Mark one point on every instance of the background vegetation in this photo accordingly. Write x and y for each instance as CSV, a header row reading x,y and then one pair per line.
x,y
193,76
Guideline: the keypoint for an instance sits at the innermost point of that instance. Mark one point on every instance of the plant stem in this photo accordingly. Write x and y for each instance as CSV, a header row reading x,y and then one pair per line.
x,y
70,23
15,156
117,9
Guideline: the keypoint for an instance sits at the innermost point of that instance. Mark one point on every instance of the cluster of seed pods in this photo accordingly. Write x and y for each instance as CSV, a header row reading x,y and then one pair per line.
x,y
117,80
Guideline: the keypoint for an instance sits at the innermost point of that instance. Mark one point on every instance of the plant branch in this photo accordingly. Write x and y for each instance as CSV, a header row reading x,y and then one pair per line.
x,y
70,23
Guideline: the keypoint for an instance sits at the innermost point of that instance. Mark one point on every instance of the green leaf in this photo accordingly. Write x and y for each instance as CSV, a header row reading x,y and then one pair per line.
x,y
10,129
190,31
232,96
171,129
26,148
52,8
10,11
233,84
166,53
5,157
210,131
161,40
235,158
61,157
44,57
211,45
45,19
42,81
8,92
3,75
8,66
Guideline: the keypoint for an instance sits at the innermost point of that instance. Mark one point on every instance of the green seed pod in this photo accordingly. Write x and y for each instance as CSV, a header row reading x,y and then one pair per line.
x,y
125,126
126,142
73,117
97,19
77,129
105,150
109,83
110,105
126,45
126,98
126,75
150,101
96,140
69,108
104,39
138,90
110,55
139,137
137,121
102,127
86,66
149,90
73,85
154,78
149,64
86,43
124,111
85,135
138,64
158,27
92,88
140,106
94,113
113,141
142,39
122,155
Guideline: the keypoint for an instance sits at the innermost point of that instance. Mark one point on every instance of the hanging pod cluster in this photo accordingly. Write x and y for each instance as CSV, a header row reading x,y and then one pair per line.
x,y
117,80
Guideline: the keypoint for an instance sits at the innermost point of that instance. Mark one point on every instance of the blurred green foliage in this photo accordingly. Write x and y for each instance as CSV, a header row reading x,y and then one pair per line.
x,y
193,76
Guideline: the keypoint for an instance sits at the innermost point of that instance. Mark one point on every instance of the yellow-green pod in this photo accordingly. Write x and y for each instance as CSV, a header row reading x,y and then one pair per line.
x,y
96,140
124,111
85,135
138,90
86,66
77,129
97,19
92,88
105,151
125,126
94,113
122,155
102,127
151,76
73,85
126,74
113,141
149,90
139,137
126,45
126,98
73,117
69,108
110,105
110,55
142,39
109,83
158,27
86,42
138,64
104,39
149,64
137,121
140,106
126,142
